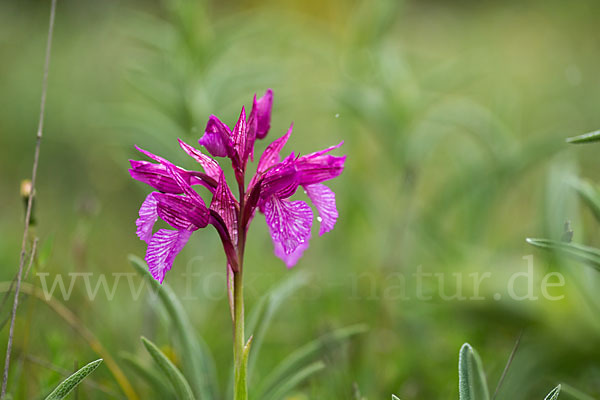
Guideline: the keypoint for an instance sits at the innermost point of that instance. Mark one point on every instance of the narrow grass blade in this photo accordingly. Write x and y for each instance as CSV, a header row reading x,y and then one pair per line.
x,y
260,322
553,395
69,384
261,315
181,386
304,355
472,384
198,362
295,380
394,397
585,138
575,393
589,194
149,375
586,254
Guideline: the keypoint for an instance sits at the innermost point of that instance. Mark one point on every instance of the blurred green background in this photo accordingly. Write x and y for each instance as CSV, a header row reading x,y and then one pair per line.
x,y
453,113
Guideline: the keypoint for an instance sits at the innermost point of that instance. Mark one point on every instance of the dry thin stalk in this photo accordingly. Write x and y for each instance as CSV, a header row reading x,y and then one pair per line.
x,y
508,364
30,200
70,318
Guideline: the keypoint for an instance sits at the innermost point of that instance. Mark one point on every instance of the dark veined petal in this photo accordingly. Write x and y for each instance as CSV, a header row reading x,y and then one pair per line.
x,y
217,138
156,175
180,212
225,204
318,167
290,259
162,250
263,114
185,187
148,216
324,200
251,128
271,155
289,223
211,167
239,135
280,181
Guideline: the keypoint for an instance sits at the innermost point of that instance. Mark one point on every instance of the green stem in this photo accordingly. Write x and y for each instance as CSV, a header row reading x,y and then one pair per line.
x,y
240,352
240,348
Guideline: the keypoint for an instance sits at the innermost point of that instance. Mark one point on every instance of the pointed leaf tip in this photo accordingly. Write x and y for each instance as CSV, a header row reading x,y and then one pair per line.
x,y
553,395
72,381
585,138
472,383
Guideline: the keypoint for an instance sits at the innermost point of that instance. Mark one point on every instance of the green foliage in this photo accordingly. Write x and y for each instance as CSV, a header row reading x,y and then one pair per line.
x,y
281,375
72,381
586,254
198,361
180,384
294,380
472,384
553,395
585,138
150,376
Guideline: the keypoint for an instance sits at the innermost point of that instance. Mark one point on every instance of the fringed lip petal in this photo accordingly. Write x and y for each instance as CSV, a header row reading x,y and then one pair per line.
x,y
291,259
289,223
324,200
162,250
148,216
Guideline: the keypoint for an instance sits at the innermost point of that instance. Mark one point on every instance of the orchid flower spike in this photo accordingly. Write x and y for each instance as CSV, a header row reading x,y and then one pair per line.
x,y
176,202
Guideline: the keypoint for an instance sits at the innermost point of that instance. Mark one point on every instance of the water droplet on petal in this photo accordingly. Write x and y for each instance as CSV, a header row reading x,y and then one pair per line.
x,y
319,219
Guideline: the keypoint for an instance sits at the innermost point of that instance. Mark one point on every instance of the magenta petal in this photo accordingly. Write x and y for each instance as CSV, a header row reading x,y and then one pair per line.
x,y
148,216
180,212
263,107
280,181
324,200
271,155
211,167
239,134
162,250
217,138
225,204
290,259
251,127
318,167
289,222
185,187
155,175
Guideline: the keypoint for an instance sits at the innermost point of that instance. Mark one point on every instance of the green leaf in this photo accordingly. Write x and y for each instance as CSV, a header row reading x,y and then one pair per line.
x,y
262,314
180,384
295,380
585,138
198,362
586,254
553,395
304,355
472,384
589,194
150,375
69,384
575,393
